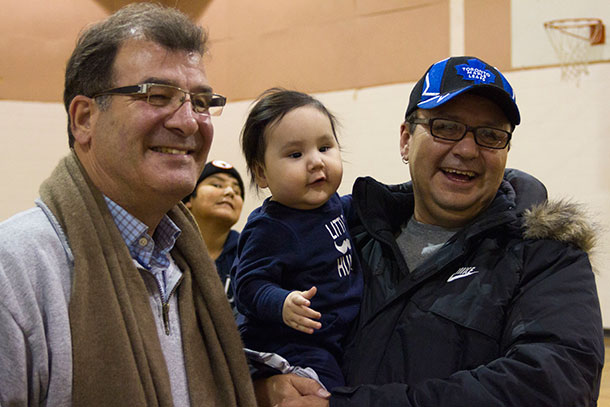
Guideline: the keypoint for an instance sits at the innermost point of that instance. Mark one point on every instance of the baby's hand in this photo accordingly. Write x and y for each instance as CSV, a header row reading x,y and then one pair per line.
x,y
297,314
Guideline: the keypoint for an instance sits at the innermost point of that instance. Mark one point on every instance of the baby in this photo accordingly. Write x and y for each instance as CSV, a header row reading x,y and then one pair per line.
x,y
297,280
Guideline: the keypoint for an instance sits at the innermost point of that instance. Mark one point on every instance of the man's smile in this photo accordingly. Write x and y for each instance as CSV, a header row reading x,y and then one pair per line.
x,y
459,175
170,150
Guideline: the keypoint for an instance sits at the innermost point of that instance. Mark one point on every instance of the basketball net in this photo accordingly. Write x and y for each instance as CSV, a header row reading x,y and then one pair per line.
x,y
572,40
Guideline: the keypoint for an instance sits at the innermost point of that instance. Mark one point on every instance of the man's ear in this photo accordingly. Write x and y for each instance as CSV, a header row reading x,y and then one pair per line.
x,y
83,113
405,138
259,176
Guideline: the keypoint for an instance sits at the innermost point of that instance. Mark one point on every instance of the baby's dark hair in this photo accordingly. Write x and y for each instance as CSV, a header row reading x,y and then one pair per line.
x,y
269,108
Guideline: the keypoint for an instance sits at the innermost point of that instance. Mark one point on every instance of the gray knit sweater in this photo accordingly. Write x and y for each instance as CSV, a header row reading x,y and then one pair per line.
x,y
35,341
35,281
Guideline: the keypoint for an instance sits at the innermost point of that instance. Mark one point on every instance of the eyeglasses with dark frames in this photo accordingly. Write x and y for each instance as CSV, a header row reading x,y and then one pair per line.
x,y
161,95
452,130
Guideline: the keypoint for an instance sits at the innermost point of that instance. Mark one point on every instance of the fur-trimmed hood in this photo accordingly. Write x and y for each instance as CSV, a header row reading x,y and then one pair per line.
x,y
561,220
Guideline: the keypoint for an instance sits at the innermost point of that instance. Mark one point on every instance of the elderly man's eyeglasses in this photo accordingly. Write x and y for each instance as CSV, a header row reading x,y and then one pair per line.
x,y
173,97
451,130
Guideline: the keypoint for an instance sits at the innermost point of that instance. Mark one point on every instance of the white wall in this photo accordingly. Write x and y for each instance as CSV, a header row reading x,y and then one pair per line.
x,y
32,138
563,140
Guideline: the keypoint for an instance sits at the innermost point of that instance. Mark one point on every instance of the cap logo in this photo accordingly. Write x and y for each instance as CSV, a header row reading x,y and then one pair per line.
x,y
222,164
475,71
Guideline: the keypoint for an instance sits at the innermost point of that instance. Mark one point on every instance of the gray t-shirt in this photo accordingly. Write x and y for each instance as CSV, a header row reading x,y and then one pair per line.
x,y
418,241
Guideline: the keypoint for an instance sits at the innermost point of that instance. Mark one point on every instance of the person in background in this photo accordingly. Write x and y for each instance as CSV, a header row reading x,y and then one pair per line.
x,y
478,290
107,294
216,204
297,283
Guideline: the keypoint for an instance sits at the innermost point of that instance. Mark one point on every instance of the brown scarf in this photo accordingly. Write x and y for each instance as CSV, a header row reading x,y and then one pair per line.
x,y
117,357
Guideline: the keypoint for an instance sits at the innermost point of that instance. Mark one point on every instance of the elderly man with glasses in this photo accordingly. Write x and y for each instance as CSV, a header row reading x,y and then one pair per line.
x,y
108,296
478,290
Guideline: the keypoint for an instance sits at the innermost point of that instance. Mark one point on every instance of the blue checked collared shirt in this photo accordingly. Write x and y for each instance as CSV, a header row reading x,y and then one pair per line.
x,y
152,253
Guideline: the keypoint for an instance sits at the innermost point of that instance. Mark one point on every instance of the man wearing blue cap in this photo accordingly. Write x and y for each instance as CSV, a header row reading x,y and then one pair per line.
x,y
478,290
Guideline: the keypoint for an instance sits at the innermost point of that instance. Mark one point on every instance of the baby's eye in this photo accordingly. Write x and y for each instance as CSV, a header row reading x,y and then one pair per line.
x,y
324,149
295,155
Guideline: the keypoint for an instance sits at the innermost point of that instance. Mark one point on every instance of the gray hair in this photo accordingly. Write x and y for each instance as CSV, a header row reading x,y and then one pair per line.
x,y
90,67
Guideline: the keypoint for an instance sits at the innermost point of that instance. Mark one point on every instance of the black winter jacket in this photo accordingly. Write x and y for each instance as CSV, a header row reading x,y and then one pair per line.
x,y
505,314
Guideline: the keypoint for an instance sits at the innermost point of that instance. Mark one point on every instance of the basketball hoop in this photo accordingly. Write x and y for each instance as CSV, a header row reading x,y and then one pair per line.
x,y
572,39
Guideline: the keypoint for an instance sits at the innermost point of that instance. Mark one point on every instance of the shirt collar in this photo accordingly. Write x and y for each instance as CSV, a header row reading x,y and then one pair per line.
x,y
148,251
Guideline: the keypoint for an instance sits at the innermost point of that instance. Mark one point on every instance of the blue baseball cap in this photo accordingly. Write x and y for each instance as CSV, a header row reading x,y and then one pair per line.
x,y
456,75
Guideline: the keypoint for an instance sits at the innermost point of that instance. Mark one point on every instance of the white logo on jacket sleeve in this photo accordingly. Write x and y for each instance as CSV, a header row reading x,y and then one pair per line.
x,y
463,272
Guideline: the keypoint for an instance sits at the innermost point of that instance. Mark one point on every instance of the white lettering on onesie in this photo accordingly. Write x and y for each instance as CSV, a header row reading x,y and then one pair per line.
x,y
337,229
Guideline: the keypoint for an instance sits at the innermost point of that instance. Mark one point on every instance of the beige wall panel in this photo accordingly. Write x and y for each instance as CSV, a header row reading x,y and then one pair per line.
x,y
243,19
487,31
217,20
36,39
383,6
366,50
193,8
312,45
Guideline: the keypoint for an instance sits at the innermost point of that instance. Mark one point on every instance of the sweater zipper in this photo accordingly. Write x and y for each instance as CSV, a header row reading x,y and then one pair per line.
x,y
165,305
165,311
